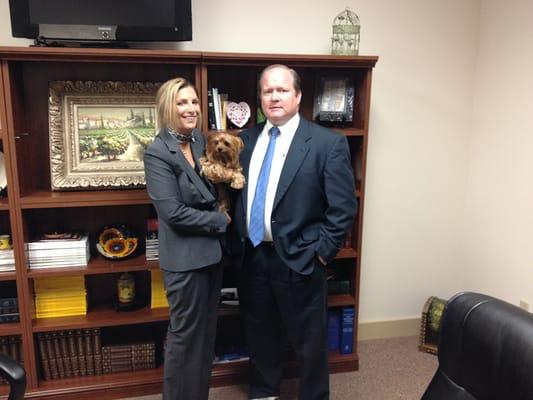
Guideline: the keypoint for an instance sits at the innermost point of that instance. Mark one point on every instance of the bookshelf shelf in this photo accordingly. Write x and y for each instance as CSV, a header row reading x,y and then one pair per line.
x,y
336,300
47,199
233,371
340,300
12,328
232,131
97,383
338,362
8,276
351,132
33,208
97,265
101,317
228,310
346,252
222,374
3,204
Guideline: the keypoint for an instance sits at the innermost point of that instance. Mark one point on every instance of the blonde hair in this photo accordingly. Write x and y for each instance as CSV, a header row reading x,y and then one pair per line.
x,y
166,101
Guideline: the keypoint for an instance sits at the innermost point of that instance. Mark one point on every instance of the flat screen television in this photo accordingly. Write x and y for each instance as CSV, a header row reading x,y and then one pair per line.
x,y
102,20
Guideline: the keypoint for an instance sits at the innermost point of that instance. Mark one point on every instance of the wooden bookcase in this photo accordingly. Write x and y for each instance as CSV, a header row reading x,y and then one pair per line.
x,y
32,207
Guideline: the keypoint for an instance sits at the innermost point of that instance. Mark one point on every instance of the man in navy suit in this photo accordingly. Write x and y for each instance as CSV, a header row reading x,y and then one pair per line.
x,y
290,221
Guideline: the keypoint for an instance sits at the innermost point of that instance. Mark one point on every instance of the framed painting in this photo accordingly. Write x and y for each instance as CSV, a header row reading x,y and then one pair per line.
x,y
98,133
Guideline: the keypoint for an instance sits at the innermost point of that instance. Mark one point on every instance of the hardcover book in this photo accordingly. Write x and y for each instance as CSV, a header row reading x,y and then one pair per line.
x,y
347,320
334,329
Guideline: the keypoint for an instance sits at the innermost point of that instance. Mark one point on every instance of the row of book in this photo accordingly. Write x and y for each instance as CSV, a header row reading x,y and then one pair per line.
x,y
338,280
9,310
60,296
7,260
70,353
79,352
11,346
341,329
70,250
128,357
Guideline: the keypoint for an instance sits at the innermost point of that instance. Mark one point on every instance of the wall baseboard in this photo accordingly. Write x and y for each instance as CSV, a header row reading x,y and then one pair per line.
x,y
389,328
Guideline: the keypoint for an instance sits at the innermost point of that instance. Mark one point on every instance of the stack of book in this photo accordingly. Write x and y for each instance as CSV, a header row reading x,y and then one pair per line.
x,y
159,296
9,310
128,357
70,353
216,109
60,297
230,353
11,346
152,241
7,260
338,281
68,250
340,329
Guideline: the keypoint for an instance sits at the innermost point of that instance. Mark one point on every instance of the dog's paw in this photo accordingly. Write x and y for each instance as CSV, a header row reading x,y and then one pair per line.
x,y
237,181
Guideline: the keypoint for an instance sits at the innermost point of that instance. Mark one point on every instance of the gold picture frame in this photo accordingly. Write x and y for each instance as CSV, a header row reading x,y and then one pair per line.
x,y
98,133
430,324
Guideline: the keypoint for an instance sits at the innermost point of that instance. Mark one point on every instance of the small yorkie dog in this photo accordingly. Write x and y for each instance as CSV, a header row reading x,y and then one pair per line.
x,y
220,164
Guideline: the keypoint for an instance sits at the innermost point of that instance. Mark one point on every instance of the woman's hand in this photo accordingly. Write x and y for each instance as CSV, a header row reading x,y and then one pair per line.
x,y
228,218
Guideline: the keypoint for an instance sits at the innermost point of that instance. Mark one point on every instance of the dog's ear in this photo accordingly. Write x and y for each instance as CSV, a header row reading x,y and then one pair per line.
x,y
238,143
212,138
212,142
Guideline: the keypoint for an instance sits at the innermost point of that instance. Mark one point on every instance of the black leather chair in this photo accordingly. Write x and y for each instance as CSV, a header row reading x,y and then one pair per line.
x,y
15,375
485,351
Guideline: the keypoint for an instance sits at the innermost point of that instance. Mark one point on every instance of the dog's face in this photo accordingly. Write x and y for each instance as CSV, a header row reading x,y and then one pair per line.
x,y
224,148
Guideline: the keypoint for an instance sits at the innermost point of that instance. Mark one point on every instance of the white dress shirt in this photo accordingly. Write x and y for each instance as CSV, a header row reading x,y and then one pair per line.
x,y
283,142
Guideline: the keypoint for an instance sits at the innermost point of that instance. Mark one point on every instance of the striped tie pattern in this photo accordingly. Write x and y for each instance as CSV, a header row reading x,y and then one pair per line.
x,y
256,230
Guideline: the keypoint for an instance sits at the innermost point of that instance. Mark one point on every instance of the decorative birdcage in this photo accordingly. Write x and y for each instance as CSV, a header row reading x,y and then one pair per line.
x,y
345,39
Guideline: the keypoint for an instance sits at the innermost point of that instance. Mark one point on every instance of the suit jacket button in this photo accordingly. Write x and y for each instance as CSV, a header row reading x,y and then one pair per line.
x,y
272,222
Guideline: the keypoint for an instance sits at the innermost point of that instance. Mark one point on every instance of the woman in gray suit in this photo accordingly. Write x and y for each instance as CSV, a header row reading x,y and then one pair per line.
x,y
190,229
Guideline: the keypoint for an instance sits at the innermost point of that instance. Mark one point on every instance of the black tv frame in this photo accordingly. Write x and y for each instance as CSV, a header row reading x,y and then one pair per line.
x,y
22,28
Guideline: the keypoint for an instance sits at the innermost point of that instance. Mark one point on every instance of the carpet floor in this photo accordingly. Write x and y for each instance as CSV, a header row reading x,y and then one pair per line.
x,y
389,369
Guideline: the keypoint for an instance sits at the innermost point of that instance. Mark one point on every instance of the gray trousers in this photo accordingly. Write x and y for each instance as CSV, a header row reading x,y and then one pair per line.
x,y
193,298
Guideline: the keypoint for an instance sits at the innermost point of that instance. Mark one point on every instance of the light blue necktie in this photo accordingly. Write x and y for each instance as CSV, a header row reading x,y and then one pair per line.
x,y
256,230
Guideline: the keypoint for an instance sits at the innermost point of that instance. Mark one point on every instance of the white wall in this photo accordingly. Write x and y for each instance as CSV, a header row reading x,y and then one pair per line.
x,y
499,194
420,127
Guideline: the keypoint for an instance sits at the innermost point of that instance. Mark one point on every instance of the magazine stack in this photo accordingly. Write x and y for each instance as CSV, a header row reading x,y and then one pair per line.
x,y
59,250
152,241
60,297
159,297
7,260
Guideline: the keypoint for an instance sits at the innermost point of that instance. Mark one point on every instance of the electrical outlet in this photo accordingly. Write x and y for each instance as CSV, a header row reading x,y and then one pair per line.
x,y
524,304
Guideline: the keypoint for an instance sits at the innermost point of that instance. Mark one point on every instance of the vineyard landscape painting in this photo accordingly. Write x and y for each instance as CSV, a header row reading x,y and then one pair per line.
x,y
99,131
113,134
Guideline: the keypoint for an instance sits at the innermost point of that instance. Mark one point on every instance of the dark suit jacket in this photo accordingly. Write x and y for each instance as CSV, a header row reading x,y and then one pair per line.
x,y
190,225
315,202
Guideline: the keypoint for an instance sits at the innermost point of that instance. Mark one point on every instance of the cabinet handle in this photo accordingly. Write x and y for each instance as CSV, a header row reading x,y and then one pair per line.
x,y
23,134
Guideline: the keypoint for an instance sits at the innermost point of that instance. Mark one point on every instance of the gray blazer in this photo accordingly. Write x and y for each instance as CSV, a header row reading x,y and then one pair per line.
x,y
190,225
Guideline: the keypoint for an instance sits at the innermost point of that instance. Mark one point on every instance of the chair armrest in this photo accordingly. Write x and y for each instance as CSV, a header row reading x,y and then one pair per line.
x,y
15,375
